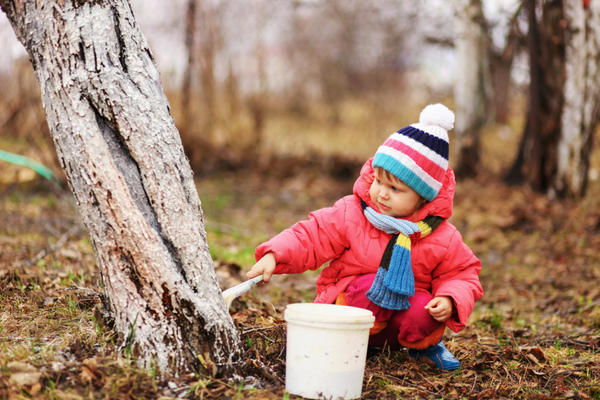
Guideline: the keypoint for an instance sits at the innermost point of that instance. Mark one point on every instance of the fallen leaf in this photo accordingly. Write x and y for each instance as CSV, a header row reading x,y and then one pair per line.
x,y
66,395
90,373
23,374
35,389
70,254
532,358
86,375
17,366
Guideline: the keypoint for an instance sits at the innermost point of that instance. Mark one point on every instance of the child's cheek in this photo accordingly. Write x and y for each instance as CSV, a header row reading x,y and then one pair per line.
x,y
372,193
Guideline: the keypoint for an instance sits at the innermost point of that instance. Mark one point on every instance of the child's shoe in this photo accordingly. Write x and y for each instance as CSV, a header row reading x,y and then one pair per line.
x,y
439,354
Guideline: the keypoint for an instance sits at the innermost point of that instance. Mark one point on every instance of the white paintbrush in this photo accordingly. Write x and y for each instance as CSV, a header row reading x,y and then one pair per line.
x,y
235,291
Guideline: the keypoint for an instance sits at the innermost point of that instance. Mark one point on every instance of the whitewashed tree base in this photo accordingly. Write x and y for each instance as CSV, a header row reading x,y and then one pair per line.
x,y
122,155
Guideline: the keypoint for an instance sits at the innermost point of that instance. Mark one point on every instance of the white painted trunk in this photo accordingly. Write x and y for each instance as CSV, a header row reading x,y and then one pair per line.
x,y
123,157
581,96
472,88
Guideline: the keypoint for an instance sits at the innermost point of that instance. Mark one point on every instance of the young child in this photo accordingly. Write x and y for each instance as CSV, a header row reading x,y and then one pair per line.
x,y
390,245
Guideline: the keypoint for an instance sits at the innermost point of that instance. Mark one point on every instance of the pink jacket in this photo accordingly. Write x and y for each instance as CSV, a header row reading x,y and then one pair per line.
x,y
442,263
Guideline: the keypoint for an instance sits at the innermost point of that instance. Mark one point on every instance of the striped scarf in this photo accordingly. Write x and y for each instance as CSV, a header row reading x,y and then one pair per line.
x,y
395,282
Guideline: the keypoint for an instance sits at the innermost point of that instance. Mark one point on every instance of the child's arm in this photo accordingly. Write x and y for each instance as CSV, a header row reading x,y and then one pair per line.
x,y
265,266
310,243
457,277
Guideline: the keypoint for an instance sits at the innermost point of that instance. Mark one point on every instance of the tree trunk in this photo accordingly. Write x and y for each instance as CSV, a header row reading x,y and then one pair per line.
x,y
257,101
472,90
564,48
536,159
209,46
233,93
124,161
501,63
582,97
190,67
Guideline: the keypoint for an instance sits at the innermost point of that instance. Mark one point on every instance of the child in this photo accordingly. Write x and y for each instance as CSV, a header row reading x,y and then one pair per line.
x,y
390,245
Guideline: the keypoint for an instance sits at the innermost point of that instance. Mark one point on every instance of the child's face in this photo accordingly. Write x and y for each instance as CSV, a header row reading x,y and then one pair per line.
x,y
392,196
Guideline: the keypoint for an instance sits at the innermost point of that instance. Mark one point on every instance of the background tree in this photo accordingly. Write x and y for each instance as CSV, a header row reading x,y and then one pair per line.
x,y
190,66
124,161
472,90
501,61
564,51
209,43
582,97
203,41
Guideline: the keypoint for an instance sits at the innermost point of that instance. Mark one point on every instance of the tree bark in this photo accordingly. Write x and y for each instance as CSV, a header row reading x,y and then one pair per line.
x,y
582,97
536,159
125,165
472,90
564,98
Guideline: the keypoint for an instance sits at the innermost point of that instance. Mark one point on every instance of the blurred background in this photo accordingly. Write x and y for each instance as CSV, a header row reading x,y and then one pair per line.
x,y
303,82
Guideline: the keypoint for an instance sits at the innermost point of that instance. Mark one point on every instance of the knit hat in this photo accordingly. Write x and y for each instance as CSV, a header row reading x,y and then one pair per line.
x,y
418,153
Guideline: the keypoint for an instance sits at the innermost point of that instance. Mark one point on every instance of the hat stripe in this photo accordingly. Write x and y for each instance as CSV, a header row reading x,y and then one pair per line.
x,y
432,155
407,171
433,130
409,163
421,159
439,145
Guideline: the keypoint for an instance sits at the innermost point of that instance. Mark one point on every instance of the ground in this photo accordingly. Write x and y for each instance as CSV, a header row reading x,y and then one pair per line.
x,y
535,334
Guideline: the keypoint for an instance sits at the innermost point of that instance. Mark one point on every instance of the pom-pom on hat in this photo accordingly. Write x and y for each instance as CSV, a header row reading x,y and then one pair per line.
x,y
418,153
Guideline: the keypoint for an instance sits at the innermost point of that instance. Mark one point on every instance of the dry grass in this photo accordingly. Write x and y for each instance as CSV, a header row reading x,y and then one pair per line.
x,y
535,333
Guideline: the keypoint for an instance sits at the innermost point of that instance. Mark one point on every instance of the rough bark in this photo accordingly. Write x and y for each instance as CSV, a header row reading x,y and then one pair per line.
x,y
122,155
582,97
472,89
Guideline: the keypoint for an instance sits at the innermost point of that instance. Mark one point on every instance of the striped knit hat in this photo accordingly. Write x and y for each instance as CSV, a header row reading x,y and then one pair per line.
x,y
418,154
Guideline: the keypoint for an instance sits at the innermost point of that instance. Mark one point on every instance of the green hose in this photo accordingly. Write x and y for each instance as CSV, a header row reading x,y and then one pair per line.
x,y
27,162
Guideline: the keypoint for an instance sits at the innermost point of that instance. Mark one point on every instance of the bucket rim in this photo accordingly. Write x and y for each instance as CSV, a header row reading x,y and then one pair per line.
x,y
329,313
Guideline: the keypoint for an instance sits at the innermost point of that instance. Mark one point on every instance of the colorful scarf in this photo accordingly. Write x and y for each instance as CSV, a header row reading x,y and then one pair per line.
x,y
395,282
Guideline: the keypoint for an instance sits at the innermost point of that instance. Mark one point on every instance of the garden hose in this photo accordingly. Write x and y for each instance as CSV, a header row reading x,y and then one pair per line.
x,y
27,162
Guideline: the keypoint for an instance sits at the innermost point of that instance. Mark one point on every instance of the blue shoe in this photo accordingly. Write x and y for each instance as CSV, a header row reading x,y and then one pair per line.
x,y
439,354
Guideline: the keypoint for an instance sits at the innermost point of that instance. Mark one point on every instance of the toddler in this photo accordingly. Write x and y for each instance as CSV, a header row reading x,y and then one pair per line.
x,y
390,245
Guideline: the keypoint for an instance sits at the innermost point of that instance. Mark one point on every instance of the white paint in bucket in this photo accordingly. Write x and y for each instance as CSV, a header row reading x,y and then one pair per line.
x,y
326,350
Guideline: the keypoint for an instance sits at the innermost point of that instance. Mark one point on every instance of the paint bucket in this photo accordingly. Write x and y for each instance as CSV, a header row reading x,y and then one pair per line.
x,y
326,350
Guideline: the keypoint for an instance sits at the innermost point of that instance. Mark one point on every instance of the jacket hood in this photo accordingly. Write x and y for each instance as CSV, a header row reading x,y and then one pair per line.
x,y
441,206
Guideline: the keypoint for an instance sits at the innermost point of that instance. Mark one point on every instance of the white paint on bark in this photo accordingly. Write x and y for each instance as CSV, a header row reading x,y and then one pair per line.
x,y
581,95
123,157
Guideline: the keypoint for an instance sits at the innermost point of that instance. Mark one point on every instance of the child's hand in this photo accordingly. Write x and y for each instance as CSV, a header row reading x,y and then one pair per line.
x,y
265,266
440,308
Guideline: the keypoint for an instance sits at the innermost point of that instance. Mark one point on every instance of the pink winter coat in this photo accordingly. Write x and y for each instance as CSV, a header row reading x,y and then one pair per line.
x,y
442,263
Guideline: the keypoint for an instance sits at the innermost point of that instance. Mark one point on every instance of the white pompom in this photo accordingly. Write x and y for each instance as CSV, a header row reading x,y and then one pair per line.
x,y
437,114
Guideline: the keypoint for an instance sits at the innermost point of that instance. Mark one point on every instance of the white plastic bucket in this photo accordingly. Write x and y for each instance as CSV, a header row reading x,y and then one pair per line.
x,y
326,350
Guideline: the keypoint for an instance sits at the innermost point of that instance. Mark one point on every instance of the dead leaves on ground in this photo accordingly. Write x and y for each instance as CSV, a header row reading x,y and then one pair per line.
x,y
535,334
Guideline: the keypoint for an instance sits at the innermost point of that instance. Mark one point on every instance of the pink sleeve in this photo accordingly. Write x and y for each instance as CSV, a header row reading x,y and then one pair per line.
x,y
310,243
457,276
